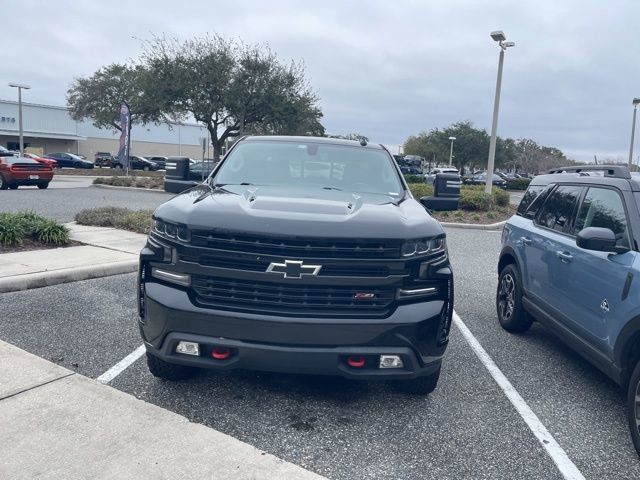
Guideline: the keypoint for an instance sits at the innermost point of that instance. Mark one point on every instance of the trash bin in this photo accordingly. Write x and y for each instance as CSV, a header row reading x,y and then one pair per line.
x,y
176,177
446,193
177,167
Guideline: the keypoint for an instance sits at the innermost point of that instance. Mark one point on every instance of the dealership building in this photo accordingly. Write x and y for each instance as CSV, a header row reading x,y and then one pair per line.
x,y
49,129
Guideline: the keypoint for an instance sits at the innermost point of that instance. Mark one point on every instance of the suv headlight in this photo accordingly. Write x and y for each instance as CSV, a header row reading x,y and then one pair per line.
x,y
423,246
171,230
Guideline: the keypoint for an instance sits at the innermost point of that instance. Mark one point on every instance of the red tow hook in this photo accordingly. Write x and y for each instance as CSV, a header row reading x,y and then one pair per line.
x,y
220,353
356,361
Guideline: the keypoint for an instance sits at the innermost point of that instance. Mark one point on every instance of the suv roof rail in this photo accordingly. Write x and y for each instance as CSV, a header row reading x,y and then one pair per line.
x,y
616,171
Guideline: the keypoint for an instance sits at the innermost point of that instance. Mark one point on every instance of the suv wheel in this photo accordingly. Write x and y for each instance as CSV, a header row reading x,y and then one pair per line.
x,y
511,314
168,371
419,386
633,407
3,183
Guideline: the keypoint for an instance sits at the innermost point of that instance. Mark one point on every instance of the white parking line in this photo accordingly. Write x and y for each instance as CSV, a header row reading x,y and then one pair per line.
x,y
567,468
120,367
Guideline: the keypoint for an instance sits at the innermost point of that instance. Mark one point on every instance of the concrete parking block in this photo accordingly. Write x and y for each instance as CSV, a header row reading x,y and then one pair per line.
x,y
75,427
20,371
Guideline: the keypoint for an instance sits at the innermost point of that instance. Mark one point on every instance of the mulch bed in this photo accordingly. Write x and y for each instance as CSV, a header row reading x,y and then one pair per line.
x,y
28,244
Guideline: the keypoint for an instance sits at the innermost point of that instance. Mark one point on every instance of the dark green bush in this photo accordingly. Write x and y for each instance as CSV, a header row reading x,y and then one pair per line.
x,y
518,184
500,197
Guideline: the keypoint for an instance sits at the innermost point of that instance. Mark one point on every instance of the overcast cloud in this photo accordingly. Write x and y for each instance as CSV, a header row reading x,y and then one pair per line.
x,y
387,69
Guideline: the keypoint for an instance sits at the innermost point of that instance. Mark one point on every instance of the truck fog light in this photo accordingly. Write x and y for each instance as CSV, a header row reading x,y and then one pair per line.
x,y
188,348
391,361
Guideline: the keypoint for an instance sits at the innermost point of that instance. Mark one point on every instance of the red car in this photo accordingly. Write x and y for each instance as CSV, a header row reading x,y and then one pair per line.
x,y
16,171
47,161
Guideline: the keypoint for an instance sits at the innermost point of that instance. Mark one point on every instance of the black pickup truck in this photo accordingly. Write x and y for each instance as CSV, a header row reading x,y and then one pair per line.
x,y
302,255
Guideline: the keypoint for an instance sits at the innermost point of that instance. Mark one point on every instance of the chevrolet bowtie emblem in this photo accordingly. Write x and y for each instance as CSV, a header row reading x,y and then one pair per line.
x,y
293,268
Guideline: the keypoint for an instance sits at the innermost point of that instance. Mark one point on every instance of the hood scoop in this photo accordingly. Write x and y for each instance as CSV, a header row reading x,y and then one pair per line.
x,y
311,206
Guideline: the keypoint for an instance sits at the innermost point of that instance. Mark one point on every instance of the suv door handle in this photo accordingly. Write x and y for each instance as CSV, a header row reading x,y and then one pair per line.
x,y
525,240
564,256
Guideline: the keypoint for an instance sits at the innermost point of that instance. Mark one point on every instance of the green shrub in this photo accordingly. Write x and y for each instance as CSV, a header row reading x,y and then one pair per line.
x,y
518,184
458,214
492,215
476,218
11,232
476,201
29,220
444,214
419,190
15,227
52,232
133,181
133,220
414,179
500,197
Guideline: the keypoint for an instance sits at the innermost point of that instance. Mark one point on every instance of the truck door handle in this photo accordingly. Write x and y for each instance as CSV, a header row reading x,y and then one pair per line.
x,y
525,240
564,256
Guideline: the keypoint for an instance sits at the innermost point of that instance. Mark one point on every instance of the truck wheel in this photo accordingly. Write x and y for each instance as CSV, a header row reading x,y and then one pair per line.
x,y
633,407
168,371
419,386
511,314
44,185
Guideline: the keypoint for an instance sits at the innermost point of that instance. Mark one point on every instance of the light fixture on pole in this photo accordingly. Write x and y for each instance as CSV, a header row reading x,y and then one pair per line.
x,y
451,150
499,37
20,87
636,101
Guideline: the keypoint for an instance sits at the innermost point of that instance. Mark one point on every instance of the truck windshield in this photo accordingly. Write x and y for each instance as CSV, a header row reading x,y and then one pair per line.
x,y
316,165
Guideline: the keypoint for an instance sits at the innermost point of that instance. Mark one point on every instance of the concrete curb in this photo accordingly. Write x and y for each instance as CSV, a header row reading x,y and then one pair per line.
x,y
113,187
473,226
67,275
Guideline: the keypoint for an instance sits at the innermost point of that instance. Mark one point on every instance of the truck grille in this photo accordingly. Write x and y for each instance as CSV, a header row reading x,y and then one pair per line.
x,y
252,265
297,247
290,298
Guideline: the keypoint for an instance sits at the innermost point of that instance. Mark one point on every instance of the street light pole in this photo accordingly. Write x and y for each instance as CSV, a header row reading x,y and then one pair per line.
x,y
451,151
499,37
636,101
20,86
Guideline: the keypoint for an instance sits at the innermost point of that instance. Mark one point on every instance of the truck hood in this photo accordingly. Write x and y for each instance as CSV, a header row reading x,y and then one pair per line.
x,y
293,211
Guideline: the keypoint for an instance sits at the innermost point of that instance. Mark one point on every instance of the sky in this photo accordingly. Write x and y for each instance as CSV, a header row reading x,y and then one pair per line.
x,y
385,69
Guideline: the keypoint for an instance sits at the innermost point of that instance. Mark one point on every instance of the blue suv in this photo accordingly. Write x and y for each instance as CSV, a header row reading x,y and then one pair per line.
x,y
569,260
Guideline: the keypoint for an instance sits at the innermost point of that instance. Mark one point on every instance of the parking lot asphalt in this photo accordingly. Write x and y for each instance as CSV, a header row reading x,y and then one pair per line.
x,y
68,196
466,429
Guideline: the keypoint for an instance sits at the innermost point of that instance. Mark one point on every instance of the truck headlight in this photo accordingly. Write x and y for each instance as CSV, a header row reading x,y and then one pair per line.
x,y
171,230
423,246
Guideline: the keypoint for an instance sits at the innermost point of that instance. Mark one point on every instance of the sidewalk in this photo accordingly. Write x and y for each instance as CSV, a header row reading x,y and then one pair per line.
x,y
57,424
108,251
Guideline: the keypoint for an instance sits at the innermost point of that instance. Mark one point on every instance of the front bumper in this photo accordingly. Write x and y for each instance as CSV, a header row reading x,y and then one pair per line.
x,y
293,344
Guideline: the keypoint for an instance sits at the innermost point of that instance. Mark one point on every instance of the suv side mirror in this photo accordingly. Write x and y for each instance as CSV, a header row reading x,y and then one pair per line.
x,y
598,239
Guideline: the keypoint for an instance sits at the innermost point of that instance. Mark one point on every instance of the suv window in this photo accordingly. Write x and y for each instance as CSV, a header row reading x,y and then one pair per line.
x,y
603,207
527,201
558,209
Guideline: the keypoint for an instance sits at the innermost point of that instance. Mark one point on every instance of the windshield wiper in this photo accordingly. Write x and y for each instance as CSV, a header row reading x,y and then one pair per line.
x,y
332,188
220,185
